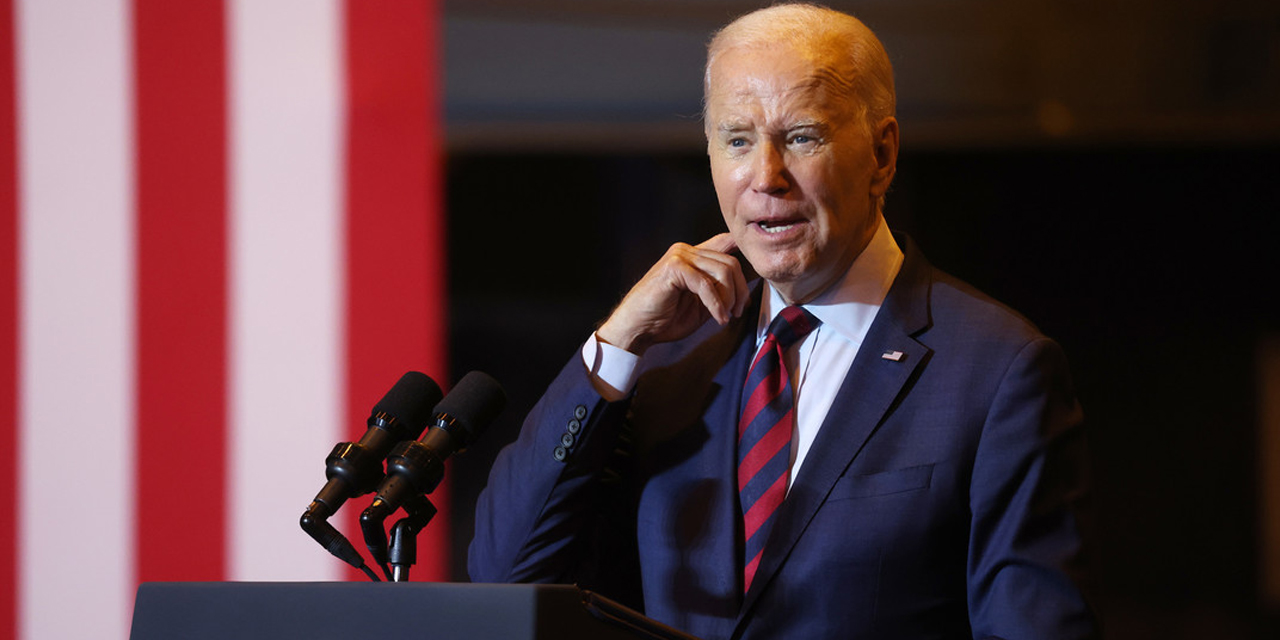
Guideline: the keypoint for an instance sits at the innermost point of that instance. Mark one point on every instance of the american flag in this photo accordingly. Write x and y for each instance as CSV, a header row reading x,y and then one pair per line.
x,y
220,244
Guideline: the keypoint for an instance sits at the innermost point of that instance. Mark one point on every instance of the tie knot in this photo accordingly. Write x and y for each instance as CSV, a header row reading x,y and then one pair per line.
x,y
792,325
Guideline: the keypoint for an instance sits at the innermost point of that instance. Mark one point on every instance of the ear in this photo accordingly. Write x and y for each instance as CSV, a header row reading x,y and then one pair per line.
x,y
884,143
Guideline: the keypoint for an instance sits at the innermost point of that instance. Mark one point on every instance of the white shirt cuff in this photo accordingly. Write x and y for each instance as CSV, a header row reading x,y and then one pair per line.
x,y
612,370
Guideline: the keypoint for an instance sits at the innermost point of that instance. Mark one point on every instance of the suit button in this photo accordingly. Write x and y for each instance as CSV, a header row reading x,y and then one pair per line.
x,y
560,454
574,427
567,440
580,411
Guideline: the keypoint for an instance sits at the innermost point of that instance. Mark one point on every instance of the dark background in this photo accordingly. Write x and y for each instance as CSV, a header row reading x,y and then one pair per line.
x,y
1108,169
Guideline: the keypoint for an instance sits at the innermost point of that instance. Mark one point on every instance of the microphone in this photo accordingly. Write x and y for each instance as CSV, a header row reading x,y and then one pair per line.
x,y
415,468
355,468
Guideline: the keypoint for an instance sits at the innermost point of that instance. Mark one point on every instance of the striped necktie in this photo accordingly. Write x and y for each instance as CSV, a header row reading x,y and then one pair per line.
x,y
764,434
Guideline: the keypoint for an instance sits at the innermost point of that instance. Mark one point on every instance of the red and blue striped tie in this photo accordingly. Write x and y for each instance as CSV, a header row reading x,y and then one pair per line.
x,y
764,434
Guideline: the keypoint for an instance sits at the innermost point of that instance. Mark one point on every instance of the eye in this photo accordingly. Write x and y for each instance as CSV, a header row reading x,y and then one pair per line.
x,y
738,142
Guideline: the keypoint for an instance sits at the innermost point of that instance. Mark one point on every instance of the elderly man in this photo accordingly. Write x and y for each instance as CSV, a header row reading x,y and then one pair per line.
x,y
853,445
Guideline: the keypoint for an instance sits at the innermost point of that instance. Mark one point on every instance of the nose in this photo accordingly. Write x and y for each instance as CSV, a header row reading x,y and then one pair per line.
x,y
769,171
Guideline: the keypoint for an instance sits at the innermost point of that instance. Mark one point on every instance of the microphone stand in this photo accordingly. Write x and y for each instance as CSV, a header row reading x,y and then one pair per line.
x,y
404,536
402,552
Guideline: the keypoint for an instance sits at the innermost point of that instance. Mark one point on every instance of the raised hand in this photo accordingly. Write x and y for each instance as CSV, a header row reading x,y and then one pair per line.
x,y
687,286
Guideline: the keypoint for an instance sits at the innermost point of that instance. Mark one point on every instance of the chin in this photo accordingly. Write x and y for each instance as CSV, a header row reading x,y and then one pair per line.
x,y
777,271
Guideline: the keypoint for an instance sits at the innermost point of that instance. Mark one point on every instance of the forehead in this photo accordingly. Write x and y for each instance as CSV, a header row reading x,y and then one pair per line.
x,y
778,79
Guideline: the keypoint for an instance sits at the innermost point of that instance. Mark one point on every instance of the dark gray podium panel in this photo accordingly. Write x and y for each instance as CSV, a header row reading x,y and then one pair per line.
x,y
346,610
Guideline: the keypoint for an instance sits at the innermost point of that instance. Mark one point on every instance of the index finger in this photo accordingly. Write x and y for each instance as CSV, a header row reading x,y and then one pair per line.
x,y
722,243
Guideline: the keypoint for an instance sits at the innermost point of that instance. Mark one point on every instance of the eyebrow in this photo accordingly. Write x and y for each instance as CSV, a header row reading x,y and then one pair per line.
x,y
809,124
733,126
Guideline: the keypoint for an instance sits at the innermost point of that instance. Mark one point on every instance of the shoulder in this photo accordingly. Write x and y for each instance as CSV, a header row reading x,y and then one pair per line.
x,y
940,309
958,306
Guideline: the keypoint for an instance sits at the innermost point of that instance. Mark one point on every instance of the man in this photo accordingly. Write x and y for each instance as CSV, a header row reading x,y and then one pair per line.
x,y
854,446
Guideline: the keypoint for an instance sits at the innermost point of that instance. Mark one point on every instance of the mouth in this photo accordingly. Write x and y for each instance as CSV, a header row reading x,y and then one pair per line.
x,y
770,227
775,227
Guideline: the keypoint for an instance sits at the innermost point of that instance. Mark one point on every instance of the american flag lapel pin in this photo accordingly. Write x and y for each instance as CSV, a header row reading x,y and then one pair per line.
x,y
895,356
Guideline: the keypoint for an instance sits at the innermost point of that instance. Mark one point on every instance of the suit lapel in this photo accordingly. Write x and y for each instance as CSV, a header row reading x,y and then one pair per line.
x,y
869,391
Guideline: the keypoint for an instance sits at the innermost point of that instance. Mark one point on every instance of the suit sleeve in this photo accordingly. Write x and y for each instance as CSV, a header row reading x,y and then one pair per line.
x,y
1027,574
553,510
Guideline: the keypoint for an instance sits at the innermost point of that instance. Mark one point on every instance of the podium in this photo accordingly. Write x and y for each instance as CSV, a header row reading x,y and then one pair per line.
x,y
408,611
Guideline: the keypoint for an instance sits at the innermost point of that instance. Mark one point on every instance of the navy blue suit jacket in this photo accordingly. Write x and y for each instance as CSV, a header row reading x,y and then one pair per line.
x,y
938,500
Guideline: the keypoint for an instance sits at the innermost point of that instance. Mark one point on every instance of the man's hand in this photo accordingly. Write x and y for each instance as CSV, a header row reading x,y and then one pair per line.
x,y
688,285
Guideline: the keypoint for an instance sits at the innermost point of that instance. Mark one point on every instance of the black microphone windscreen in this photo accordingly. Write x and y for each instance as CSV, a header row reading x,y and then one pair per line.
x,y
411,399
473,403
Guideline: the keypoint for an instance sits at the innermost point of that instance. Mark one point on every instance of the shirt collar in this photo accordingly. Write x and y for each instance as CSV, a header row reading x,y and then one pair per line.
x,y
849,305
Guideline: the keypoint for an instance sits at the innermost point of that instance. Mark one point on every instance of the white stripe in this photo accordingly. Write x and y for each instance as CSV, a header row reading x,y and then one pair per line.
x,y
287,273
75,91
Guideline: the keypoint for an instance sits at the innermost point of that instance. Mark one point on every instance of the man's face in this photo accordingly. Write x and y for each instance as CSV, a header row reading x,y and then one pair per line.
x,y
795,168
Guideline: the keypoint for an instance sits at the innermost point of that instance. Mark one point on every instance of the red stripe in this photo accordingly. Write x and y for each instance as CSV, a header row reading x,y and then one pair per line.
x,y
764,450
749,571
395,229
8,327
181,174
764,393
767,389
764,507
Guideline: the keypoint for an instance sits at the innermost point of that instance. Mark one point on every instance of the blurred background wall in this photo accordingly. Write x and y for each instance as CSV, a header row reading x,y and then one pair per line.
x,y
221,238
1111,169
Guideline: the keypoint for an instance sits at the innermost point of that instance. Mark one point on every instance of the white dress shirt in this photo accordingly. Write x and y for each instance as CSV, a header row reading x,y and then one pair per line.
x,y
817,364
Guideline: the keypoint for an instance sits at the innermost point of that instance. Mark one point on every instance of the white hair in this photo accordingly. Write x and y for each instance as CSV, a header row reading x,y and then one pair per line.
x,y
820,31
